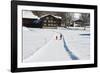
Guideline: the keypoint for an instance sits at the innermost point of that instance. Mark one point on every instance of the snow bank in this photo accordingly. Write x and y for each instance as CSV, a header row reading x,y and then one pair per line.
x,y
25,29
34,39
53,51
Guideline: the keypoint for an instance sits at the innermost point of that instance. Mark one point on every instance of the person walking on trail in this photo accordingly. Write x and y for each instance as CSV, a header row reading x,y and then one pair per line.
x,y
60,36
56,37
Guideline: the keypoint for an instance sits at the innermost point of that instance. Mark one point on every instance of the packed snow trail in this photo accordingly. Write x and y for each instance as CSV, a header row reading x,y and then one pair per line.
x,y
54,50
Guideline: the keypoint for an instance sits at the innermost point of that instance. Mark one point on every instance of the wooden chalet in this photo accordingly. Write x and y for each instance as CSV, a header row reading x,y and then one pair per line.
x,y
31,20
50,21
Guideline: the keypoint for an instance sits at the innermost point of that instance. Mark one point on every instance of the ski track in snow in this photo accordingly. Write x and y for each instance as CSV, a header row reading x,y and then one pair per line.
x,y
73,57
71,54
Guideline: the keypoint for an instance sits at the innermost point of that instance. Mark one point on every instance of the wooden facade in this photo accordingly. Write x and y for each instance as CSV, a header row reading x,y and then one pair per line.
x,y
51,21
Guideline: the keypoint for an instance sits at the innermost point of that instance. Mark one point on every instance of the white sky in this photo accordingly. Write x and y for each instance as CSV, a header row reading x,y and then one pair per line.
x,y
29,14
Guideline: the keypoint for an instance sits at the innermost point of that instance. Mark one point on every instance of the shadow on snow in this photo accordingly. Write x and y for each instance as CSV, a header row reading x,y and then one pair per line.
x,y
85,34
73,57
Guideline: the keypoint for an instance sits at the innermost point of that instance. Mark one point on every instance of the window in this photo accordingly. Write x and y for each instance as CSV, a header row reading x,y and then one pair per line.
x,y
44,24
47,18
51,21
54,21
45,21
48,24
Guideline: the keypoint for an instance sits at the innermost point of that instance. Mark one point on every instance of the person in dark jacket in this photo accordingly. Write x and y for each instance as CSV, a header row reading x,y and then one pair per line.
x,y
56,37
60,36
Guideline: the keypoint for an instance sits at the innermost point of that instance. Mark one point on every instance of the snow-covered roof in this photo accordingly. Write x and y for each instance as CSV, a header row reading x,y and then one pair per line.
x,y
58,17
44,15
29,14
78,20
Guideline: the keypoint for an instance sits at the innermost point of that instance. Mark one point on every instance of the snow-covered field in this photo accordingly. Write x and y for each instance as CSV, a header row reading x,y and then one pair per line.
x,y
40,45
33,40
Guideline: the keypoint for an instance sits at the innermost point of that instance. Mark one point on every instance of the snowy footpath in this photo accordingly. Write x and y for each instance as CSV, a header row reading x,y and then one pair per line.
x,y
74,45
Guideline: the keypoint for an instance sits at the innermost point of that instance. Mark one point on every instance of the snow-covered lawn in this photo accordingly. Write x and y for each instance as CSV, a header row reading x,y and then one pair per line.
x,y
33,40
78,41
40,45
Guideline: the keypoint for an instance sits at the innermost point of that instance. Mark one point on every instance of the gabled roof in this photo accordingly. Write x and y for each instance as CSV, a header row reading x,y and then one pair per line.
x,y
78,20
58,17
29,14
